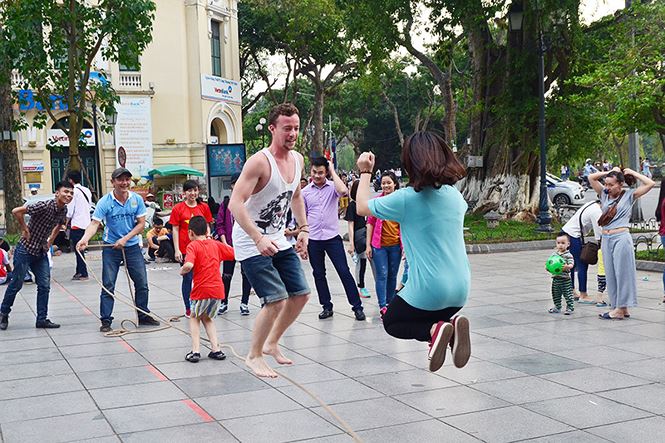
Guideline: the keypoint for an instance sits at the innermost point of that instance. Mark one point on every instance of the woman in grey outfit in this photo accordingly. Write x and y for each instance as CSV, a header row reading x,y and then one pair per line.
x,y
617,243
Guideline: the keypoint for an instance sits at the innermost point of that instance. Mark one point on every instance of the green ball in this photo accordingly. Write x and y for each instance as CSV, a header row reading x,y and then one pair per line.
x,y
555,264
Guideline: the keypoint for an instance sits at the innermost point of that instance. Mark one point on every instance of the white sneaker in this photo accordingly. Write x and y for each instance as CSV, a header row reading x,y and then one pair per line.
x,y
244,309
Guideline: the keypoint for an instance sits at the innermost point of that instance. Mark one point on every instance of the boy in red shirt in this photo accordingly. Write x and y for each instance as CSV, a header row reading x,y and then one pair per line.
x,y
180,216
203,258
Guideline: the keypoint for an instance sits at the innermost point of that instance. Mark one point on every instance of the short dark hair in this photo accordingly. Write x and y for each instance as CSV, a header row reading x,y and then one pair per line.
x,y
168,226
63,184
190,184
429,161
74,176
564,235
156,221
287,109
391,175
198,225
319,160
354,189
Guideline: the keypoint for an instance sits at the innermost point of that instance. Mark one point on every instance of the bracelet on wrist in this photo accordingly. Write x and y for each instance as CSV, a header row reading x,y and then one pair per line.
x,y
365,172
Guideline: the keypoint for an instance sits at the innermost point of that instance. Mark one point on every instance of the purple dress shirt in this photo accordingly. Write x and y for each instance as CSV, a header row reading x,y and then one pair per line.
x,y
322,205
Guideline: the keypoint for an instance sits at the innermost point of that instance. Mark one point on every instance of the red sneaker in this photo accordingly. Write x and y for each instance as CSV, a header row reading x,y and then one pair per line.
x,y
440,339
461,342
382,311
188,313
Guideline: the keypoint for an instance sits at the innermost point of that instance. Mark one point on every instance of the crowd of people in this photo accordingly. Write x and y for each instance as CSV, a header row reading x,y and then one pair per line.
x,y
609,219
275,217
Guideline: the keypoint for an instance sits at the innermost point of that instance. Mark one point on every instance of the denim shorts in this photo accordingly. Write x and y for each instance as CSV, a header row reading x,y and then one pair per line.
x,y
276,278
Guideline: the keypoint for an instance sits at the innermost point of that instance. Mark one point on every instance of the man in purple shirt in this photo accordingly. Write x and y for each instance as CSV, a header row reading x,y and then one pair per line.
x,y
321,203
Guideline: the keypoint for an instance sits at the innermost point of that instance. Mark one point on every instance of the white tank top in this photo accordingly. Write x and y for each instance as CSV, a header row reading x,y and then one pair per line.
x,y
267,209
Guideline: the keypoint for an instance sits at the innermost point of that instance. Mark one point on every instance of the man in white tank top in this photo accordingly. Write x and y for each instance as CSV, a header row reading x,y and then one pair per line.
x,y
268,185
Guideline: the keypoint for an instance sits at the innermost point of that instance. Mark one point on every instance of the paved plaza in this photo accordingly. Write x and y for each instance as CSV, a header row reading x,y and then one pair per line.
x,y
532,376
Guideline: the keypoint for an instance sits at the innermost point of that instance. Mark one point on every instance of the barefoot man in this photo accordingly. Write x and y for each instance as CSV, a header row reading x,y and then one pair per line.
x,y
268,185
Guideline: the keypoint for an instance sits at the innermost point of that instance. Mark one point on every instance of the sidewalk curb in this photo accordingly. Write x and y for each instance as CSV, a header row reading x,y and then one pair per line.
x,y
533,245
650,266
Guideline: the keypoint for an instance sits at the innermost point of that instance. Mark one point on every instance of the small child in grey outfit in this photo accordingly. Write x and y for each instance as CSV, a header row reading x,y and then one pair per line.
x,y
562,285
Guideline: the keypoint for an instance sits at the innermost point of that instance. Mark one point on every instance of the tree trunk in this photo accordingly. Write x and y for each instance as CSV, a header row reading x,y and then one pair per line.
x,y
10,164
398,127
510,161
513,196
317,117
75,126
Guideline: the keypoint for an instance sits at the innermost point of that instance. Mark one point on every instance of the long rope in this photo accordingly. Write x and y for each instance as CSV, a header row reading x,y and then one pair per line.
x,y
168,323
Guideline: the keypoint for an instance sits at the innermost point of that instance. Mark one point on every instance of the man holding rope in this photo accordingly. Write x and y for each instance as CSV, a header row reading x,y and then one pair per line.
x,y
268,185
37,236
123,213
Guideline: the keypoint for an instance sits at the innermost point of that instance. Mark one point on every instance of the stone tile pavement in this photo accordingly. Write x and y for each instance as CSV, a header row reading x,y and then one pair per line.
x,y
533,376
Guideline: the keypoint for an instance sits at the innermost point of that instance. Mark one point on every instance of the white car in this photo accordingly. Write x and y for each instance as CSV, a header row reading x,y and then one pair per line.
x,y
564,192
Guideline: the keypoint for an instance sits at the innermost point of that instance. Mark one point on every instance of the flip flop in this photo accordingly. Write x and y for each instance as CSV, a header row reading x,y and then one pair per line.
x,y
586,302
607,316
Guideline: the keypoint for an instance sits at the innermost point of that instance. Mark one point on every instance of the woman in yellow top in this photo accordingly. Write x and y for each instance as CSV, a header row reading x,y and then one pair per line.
x,y
384,247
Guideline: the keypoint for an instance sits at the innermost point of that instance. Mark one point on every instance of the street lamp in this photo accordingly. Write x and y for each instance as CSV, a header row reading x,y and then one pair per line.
x,y
259,128
515,20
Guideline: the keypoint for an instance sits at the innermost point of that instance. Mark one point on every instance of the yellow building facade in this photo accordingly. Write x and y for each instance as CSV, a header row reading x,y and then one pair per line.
x,y
182,95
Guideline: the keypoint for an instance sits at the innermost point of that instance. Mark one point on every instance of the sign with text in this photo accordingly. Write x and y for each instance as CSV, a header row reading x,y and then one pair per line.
x,y
28,101
133,135
33,166
57,137
224,160
220,89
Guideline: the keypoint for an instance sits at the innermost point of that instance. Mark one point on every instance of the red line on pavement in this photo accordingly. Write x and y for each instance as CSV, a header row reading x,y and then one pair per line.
x,y
199,410
127,346
155,371
87,311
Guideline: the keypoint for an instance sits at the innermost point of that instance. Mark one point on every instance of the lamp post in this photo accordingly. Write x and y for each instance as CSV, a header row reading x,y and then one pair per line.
x,y
515,19
259,128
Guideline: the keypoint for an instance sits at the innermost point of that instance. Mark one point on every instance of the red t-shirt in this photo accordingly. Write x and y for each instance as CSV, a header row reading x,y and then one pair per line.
x,y
206,255
3,262
180,216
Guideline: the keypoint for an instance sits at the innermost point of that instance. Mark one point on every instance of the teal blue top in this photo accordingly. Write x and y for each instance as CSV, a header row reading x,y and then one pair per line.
x,y
431,222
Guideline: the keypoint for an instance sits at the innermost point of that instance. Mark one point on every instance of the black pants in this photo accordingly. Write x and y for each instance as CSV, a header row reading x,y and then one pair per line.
x,y
404,321
228,268
166,250
75,235
317,258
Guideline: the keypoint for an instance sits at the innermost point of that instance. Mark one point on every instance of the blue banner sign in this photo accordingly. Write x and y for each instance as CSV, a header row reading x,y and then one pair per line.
x,y
26,101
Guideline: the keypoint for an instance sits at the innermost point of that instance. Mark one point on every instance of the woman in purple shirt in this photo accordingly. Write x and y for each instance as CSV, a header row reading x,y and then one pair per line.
x,y
223,229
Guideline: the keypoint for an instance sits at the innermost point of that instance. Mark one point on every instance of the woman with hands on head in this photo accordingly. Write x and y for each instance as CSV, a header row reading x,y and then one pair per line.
x,y
617,243
430,211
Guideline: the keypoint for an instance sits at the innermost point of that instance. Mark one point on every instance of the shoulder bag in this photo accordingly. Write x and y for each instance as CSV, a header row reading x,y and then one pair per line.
x,y
589,253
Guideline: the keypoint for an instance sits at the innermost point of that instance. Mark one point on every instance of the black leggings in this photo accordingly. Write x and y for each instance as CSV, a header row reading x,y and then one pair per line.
x,y
228,269
404,321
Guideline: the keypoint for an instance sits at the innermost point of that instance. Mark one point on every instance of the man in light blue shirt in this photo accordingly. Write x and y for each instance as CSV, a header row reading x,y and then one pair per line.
x,y
123,213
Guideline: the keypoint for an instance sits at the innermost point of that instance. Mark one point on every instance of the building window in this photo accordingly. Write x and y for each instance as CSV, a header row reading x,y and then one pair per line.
x,y
216,49
133,65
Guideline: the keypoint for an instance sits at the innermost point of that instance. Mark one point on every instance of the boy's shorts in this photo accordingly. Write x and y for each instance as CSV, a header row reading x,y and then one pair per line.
x,y
207,307
276,278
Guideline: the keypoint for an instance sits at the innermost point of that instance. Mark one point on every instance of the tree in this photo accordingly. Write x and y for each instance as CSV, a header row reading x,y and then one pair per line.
x,y
8,149
623,72
54,44
502,97
312,35
395,27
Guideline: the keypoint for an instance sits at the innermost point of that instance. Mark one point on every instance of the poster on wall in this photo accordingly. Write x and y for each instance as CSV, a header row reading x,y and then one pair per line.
x,y
225,159
133,135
